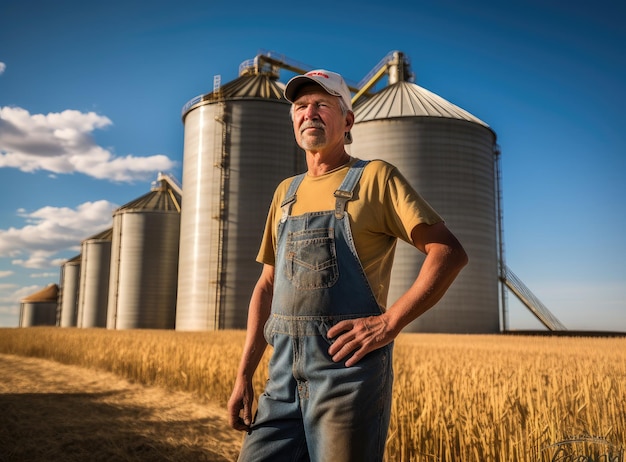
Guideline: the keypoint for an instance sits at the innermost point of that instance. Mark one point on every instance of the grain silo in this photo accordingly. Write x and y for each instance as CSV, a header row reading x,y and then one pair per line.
x,y
144,260
94,280
449,156
40,308
238,145
68,292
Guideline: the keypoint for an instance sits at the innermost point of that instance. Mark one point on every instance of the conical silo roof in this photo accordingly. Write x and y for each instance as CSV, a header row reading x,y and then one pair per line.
x,y
162,197
46,295
105,235
250,86
262,86
406,99
74,259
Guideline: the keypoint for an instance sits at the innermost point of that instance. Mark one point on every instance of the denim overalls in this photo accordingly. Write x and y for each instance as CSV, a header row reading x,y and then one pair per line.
x,y
313,408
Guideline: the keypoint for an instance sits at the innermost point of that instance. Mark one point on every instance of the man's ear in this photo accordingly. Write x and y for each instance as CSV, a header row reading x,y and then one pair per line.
x,y
349,120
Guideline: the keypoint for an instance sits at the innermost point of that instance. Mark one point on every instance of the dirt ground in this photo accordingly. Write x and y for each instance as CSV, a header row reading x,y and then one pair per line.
x,y
53,412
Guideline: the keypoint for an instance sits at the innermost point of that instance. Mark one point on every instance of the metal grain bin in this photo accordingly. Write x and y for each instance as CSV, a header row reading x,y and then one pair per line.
x,y
449,156
238,145
68,292
144,261
40,308
94,280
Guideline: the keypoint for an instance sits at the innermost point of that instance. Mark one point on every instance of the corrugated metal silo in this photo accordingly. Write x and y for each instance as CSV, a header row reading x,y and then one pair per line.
x,y
144,261
94,280
448,155
238,145
40,308
70,279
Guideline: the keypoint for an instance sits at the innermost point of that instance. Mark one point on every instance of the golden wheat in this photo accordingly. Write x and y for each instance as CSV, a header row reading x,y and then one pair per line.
x,y
456,397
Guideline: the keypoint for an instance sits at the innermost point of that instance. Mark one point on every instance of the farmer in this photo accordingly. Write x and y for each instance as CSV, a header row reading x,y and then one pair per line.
x,y
320,301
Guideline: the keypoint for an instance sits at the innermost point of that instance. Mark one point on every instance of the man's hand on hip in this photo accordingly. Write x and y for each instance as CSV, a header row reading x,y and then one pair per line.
x,y
359,337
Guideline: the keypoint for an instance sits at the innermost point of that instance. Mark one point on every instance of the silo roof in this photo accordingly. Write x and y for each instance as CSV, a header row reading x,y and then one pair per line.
x,y
255,86
162,198
75,259
406,99
105,235
262,86
47,294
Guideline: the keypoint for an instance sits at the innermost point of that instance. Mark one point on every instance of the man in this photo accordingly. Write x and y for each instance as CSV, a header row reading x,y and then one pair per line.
x,y
320,301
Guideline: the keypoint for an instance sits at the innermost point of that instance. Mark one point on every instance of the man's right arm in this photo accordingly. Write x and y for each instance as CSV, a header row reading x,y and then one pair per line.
x,y
242,397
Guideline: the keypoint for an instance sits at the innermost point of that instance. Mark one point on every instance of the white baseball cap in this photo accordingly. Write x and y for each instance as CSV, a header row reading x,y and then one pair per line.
x,y
331,82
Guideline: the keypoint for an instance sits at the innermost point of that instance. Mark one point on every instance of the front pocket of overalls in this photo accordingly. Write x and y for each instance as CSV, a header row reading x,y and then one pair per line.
x,y
311,261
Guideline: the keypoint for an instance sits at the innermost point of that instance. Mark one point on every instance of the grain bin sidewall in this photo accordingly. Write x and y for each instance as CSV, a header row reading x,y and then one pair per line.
x,y
450,162
217,267
69,298
142,292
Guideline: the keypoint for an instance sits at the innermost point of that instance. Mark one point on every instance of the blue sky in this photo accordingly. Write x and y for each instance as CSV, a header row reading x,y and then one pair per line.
x,y
91,96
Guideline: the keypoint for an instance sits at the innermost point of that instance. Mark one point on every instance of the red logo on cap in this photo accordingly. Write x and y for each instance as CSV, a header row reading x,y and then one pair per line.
x,y
320,74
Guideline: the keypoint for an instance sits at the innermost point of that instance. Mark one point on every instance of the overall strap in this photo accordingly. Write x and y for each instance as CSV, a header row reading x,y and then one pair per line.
x,y
345,191
290,197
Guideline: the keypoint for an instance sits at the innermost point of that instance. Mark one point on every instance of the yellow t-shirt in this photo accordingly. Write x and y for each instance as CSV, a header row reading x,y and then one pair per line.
x,y
384,207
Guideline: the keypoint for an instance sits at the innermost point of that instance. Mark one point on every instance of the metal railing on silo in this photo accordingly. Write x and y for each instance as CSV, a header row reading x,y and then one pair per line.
x,y
525,295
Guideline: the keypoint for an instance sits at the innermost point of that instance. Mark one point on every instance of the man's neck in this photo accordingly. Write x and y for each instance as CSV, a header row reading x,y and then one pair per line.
x,y
319,162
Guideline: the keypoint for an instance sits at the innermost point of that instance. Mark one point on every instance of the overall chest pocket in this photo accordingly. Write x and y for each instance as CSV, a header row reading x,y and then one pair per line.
x,y
311,260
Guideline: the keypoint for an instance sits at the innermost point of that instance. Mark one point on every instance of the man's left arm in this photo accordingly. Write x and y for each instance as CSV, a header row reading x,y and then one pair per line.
x,y
445,257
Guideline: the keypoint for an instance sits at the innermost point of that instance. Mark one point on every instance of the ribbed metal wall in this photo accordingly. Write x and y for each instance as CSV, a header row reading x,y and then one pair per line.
x,y
94,280
70,280
144,262
448,156
38,314
40,308
238,145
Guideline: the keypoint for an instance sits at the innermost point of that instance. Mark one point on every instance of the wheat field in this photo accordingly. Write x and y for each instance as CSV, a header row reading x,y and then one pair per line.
x,y
456,397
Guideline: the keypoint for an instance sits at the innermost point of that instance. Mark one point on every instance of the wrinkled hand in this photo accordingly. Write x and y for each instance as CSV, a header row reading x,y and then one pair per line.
x,y
240,405
359,336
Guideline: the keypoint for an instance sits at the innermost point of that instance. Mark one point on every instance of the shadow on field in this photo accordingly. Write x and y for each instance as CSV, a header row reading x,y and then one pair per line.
x,y
72,427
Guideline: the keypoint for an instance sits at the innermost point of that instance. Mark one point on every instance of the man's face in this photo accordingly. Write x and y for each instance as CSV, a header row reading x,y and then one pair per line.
x,y
317,119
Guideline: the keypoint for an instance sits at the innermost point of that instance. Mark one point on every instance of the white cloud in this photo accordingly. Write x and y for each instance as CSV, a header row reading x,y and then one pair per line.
x,y
12,295
51,230
62,143
46,275
11,312
37,259
4,274
2,68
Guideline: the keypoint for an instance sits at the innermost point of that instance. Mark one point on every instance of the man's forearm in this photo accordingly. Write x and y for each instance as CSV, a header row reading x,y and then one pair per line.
x,y
439,270
258,313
